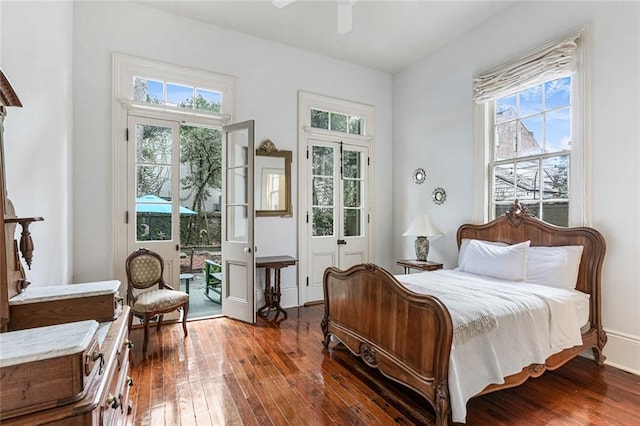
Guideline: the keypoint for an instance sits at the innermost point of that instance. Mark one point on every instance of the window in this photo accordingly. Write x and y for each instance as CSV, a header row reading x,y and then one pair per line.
x,y
177,95
531,150
337,122
529,138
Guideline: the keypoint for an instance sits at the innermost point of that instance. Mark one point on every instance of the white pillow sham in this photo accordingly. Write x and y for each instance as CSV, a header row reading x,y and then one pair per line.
x,y
493,260
465,242
554,266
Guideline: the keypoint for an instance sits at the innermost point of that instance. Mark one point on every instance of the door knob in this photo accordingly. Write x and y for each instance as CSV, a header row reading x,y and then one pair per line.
x,y
247,249
342,242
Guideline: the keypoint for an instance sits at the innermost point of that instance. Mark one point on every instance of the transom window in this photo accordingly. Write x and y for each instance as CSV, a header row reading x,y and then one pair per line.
x,y
531,150
176,94
337,122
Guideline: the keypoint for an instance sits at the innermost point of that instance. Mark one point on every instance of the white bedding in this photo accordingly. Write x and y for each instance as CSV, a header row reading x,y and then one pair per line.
x,y
520,324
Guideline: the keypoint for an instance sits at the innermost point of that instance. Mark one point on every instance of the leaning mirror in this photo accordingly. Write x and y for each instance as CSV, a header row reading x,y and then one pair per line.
x,y
273,181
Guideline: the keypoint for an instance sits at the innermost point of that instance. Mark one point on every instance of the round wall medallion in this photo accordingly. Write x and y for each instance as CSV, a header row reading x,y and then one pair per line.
x,y
439,196
419,175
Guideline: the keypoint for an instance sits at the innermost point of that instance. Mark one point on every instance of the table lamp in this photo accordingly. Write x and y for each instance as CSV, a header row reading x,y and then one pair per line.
x,y
422,227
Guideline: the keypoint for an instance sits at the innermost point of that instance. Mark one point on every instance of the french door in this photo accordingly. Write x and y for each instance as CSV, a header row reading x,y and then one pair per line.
x,y
338,226
238,257
153,189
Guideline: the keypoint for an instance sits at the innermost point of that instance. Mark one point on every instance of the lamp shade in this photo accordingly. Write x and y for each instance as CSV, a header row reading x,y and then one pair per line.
x,y
422,227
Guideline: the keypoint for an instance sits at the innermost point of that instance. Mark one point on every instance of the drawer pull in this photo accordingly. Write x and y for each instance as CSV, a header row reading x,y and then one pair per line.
x,y
95,356
113,402
129,381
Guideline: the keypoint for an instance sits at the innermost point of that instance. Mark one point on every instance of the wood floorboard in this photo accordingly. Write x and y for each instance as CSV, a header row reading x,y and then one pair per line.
x,y
230,373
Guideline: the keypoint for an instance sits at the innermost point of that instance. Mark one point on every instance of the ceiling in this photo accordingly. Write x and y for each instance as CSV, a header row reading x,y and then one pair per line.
x,y
386,35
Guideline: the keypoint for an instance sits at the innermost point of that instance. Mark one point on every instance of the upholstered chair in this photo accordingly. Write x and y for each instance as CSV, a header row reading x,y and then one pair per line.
x,y
144,271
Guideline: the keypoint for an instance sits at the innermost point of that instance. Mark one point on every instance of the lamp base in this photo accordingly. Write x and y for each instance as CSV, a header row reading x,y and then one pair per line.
x,y
422,248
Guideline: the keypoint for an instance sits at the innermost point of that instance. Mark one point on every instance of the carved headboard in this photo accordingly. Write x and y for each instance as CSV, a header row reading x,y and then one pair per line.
x,y
517,226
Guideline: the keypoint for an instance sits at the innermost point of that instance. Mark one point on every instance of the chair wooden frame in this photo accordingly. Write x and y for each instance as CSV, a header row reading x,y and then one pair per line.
x,y
131,297
213,280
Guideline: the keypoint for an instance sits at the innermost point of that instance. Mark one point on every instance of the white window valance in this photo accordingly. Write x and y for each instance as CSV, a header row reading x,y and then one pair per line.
x,y
555,60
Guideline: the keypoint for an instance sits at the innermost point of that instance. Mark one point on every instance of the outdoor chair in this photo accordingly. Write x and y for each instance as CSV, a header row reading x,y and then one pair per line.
x,y
144,271
213,280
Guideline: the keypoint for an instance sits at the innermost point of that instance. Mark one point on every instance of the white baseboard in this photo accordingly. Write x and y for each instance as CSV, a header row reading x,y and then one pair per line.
x,y
623,351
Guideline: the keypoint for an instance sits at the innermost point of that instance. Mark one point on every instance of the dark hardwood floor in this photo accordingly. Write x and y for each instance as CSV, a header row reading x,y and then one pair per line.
x,y
228,372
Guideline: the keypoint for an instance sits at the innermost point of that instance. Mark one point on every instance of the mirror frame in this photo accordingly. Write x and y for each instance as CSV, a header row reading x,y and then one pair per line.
x,y
268,149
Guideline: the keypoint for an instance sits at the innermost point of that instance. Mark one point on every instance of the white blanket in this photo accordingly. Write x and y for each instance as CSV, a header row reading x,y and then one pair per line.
x,y
500,327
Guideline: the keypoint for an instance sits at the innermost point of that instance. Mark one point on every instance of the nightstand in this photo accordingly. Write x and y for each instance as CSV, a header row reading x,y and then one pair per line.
x,y
409,264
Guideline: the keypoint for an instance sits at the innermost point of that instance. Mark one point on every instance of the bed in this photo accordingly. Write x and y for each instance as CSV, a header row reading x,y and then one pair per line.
x,y
413,339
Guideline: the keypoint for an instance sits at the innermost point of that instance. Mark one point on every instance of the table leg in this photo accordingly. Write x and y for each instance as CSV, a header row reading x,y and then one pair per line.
x,y
276,298
268,296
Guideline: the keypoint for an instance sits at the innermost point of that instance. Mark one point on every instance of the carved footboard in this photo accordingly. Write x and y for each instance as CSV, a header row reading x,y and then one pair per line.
x,y
406,336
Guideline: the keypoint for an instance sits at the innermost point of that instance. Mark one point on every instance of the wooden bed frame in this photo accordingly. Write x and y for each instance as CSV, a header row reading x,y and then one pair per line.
x,y
408,336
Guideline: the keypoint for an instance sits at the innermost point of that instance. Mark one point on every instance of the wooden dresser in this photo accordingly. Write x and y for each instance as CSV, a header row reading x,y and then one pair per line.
x,y
64,350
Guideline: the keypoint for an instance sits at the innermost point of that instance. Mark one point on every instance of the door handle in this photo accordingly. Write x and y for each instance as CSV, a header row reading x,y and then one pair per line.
x,y
247,249
342,242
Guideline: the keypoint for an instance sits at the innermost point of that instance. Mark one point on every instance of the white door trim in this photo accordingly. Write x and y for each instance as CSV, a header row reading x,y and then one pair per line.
x,y
124,69
307,101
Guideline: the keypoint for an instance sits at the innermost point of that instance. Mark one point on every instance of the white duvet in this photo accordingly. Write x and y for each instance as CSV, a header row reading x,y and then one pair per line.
x,y
500,326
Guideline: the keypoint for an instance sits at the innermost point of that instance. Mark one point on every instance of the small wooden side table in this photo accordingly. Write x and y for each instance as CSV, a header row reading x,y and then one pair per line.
x,y
272,294
409,264
186,278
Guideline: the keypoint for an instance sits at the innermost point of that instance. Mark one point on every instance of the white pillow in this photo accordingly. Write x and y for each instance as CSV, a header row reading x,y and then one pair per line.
x,y
465,242
506,263
554,266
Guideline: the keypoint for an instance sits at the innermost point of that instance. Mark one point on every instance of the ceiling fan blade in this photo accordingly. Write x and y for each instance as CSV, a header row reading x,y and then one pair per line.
x,y
345,18
282,3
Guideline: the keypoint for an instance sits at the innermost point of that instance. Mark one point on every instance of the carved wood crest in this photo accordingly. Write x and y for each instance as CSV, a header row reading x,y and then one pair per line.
x,y
516,213
267,147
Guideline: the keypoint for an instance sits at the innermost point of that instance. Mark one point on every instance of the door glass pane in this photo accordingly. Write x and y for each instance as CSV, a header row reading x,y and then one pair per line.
x,y
237,186
322,225
352,193
322,161
153,183
153,144
200,187
351,167
322,191
237,224
352,222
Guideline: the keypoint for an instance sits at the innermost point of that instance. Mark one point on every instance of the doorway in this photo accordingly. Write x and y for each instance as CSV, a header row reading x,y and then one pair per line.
x,y
335,147
166,158
337,203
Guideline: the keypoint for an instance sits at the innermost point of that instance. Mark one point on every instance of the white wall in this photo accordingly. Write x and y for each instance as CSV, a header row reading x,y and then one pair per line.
x,y
433,129
36,56
269,77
